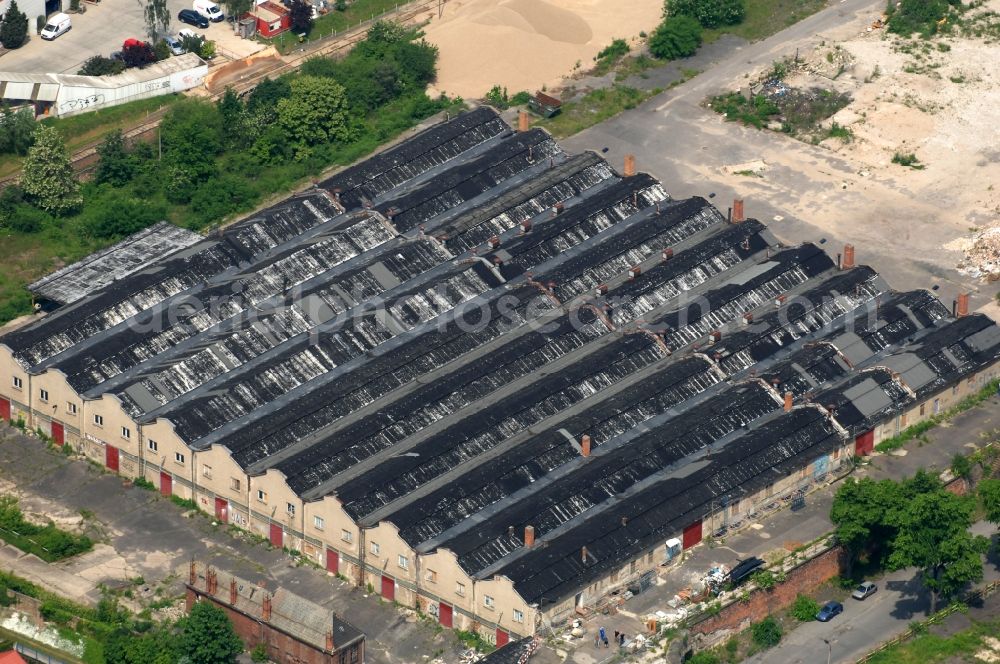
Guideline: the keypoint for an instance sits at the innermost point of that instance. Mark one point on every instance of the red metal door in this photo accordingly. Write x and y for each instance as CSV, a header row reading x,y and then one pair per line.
x,y
222,510
503,638
444,614
692,535
166,484
865,443
111,457
332,561
388,588
4,409
58,433
277,536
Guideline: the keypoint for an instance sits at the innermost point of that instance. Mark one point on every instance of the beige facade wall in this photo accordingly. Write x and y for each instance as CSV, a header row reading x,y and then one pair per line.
x,y
219,478
443,580
272,503
329,529
106,424
52,399
167,458
508,611
18,396
386,554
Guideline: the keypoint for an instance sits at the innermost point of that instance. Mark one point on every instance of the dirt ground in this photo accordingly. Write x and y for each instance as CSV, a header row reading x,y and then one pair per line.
x,y
938,100
528,44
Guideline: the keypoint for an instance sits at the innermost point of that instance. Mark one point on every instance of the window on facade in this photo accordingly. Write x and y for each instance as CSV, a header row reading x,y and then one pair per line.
x,y
98,420
488,601
518,616
18,383
151,444
922,406
234,484
178,457
126,433
261,496
374,548
318,522
431,576
403,562
937,406
206,470
346,535
71,407
290,509
43,395
954,390
460,589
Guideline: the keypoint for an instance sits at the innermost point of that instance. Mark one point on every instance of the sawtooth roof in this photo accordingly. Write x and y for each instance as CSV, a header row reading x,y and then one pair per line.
x,y
430,334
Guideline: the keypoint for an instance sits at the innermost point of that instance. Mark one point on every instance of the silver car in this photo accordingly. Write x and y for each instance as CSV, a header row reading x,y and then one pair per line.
x,y
174,44
864,590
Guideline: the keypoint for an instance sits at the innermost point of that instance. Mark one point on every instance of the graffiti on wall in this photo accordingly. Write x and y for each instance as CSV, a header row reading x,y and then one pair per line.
x,y
82,103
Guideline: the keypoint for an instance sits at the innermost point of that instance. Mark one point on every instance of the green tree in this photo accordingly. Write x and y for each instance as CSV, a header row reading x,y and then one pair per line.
x,y
231,113
864,515
301,17
98,65
153,647
207,636
157,18
989,494
315,113
191,133
17,130
114,213
961,466
267,93
14,28
710,13
676,37
115,166
46,175
917,16
934,536
237,8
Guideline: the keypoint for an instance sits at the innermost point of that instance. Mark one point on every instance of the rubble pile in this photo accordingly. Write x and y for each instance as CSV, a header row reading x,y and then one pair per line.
x,y
982,253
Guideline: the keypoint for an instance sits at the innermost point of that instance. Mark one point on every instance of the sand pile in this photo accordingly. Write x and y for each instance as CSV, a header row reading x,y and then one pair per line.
x,y
525,44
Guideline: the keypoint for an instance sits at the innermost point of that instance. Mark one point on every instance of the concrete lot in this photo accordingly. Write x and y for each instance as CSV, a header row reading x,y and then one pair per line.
x,y
101,30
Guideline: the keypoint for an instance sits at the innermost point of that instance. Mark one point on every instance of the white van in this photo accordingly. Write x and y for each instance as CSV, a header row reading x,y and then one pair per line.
x,y
209,10
56,25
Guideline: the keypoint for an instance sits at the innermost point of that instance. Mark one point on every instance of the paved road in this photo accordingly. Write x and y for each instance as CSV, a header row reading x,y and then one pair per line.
x,y
863,625
687,147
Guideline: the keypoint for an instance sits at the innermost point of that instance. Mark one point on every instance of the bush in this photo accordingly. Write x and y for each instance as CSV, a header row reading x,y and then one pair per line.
x,y
17,130
907,159
138,55
804,608
766,633
113,214
25,218
677,37
917,16
617,49
99,65
709,13
703,657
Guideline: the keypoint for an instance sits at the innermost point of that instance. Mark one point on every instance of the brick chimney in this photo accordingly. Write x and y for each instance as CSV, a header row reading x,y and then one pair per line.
x,y
266,608
788,401
529,536
192,573
232,592
583,555
526,226
210,581
522,121
602,290
629,165
329,642
668,254
738,211
585,445
848,261
495,241
634,271
962,305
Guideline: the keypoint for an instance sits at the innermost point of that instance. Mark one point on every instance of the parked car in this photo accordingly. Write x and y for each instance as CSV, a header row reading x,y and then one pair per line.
x,y
209,10
57,24
864,590
174,44
829,611
191,17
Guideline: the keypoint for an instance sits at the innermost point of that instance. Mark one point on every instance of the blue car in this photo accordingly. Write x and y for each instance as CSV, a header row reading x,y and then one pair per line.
x,y
829,611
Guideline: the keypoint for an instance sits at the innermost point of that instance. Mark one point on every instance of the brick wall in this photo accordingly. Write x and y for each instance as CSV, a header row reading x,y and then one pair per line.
x,y
803,579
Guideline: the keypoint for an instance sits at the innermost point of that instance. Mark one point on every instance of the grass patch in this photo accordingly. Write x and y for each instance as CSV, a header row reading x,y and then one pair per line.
x,y
920,428
800,112
907,159
475,641
47,542
594,107
766,17
930,648
839,131
185,503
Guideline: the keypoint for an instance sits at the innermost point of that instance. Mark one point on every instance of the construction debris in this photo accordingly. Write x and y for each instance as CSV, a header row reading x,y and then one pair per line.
x,y
982,253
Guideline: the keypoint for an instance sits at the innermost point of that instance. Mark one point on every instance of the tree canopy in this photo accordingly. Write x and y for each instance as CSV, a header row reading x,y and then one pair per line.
x,y
316,112
207,636
676,37
98,65
989,494
47,176
14,28
17,130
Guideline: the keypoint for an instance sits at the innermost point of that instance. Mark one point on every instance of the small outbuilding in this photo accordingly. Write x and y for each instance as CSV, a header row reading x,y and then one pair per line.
x,y
544,105
272,18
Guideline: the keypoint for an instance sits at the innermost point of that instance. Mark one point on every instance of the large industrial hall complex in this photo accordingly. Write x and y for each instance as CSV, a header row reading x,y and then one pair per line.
x,y
484,377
